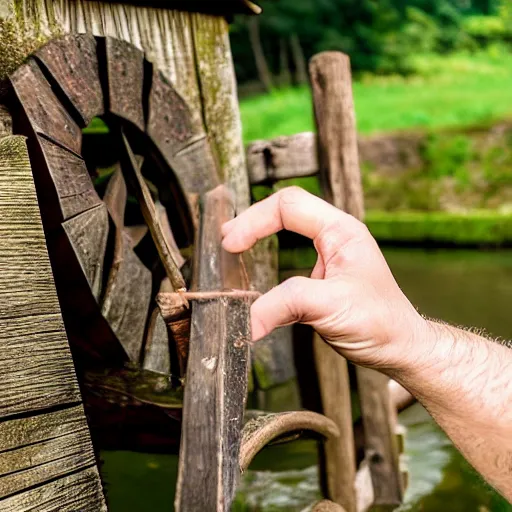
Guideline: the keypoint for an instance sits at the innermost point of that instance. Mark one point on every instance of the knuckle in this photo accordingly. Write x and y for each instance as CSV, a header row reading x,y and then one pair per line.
x,y
291,194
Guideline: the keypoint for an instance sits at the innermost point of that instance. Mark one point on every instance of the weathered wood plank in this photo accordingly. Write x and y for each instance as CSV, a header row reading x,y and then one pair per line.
x,y
331,82
170,123
125,65
332,373
36,464
88,235
45,113
221,115
77,492
196,168
17,433
34,348
282,158
341,178
217,373
381,444
73,63
271,358
38,450
72,182
127,295
165,250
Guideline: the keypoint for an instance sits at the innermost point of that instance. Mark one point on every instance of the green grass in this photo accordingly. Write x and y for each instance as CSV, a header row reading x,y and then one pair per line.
x,y
447,91
474,228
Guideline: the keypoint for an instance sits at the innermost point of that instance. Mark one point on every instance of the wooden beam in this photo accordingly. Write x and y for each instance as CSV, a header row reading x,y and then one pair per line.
x,y
282,158
46,457
331,81
216,381
340,457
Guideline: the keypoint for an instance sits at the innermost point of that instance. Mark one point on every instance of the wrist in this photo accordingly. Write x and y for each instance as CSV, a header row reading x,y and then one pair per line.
x,y
425,352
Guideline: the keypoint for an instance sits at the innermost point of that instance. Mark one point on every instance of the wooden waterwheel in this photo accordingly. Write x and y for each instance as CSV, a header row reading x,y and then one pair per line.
x,y
110,246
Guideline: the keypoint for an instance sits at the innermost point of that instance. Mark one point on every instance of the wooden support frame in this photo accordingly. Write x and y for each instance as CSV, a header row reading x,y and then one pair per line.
x,y
216,382
331,81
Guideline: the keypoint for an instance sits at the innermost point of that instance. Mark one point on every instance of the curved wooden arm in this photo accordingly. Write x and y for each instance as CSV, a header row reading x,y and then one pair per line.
x,y
261,430
327,506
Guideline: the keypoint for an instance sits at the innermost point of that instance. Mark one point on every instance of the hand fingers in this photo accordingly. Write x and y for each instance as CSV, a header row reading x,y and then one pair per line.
x,y
298,299
319,268
293,209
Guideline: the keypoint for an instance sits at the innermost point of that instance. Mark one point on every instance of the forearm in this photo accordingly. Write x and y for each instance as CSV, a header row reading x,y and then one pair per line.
x,y
465,382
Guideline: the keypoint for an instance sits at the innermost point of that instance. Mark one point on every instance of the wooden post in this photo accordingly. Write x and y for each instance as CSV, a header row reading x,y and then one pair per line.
x,y
340,457
340,175
216,380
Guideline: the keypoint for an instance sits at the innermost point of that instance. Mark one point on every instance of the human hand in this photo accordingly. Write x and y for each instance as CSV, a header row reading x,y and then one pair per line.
x,y
351,299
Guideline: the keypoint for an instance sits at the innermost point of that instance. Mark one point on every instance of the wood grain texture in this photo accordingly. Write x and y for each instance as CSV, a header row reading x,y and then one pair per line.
x,y
216,374
331,81
221,115
45,113
264,428
34,346
169,123
125,69
132,171
282,158
71,179
73,63
76,492
41,453
334,381
88,236
192,51
271,358
196,167
341,178
125,302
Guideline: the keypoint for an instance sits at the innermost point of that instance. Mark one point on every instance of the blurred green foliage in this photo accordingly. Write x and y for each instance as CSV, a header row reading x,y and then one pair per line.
x,y
478,227
380,36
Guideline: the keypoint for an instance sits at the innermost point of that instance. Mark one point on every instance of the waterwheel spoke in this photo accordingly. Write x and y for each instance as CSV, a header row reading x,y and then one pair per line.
x,y
127,296
132,171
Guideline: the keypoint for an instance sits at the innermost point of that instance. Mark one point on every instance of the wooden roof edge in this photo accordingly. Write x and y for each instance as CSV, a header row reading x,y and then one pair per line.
x,y
221,7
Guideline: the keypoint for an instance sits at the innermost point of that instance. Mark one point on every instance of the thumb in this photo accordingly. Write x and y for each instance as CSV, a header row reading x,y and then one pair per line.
x,y
297,299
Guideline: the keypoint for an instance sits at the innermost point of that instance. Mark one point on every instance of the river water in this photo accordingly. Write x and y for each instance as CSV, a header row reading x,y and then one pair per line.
x,y
470,288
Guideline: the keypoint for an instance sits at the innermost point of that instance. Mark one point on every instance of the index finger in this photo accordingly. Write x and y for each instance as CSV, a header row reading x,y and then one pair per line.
x,y
292,209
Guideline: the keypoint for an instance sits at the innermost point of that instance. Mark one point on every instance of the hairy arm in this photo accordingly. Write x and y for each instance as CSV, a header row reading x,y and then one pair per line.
x,y
464,381
355,304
